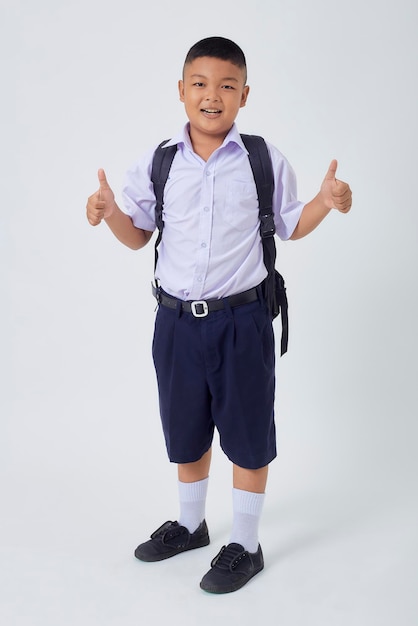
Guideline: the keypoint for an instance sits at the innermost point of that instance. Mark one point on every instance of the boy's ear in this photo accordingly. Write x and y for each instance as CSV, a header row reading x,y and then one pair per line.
x,y
181,90
244,96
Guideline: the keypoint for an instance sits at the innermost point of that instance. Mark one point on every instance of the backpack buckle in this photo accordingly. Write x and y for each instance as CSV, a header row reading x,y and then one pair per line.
x,y
199,308
267,226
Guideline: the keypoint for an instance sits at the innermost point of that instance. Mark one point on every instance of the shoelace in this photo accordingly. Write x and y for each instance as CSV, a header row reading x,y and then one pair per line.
x,y
163,529
229,557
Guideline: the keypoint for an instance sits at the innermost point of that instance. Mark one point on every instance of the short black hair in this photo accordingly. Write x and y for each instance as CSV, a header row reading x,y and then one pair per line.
x,y
219,48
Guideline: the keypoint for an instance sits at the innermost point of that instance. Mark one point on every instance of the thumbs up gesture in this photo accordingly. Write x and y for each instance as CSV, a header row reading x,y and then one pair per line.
x,y
335,193
102,203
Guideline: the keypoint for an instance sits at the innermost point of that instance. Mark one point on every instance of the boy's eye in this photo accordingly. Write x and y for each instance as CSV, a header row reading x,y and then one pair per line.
x,y
227,87
198,84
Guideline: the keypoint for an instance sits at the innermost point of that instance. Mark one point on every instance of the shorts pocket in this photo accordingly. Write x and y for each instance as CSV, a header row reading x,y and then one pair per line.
x,y
263,324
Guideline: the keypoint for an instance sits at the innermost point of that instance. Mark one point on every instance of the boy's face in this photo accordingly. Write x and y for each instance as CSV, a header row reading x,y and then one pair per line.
x,y
213,91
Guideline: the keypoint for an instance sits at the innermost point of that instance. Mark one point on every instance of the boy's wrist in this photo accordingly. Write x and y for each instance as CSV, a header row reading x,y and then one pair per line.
x,y
111,210
323,202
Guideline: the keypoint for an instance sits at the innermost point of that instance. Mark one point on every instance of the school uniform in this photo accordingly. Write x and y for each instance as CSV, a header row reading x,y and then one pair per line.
x,y
215,368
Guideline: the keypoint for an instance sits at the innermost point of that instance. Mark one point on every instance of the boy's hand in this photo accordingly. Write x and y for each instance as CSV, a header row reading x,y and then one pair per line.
x,y
102,203
335,193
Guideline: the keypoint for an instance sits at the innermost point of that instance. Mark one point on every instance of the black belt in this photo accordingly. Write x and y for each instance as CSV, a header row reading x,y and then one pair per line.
x,y
202,308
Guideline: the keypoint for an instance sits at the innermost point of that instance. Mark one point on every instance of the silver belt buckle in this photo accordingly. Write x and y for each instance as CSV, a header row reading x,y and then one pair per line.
x,y
199,303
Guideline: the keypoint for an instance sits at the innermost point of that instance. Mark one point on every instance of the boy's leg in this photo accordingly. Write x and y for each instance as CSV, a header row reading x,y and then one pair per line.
x,y
250,480
193,472
191,530
242,558
193,485
248,499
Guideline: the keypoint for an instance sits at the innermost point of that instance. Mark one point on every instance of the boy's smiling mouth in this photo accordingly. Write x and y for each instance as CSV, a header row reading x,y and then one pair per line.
x,y
211,111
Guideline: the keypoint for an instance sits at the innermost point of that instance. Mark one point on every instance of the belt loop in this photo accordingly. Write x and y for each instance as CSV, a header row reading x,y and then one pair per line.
x,y
228,309
179,308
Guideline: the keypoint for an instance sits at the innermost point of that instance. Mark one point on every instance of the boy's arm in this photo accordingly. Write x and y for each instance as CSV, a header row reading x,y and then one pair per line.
x,y
101,205
334,194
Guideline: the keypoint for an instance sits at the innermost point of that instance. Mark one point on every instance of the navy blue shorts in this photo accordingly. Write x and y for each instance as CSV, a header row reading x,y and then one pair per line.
x,y
217,371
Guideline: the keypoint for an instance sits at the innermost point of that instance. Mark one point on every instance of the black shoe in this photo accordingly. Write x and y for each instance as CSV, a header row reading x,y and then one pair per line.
x,y
171,539
232,568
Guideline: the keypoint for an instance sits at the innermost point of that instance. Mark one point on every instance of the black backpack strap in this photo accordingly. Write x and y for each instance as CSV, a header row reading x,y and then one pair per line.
x,y
161,164
274,286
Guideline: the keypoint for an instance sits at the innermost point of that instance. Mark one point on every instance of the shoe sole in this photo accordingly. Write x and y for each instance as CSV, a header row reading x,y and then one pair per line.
x,y
235,587
168,555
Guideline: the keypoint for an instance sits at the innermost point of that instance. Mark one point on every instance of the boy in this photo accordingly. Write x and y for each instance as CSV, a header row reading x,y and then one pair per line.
x,y
215,370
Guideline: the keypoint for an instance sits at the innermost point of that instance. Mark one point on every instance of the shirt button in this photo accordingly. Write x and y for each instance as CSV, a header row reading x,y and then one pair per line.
x,y
206,209
203,245
199,279
208,173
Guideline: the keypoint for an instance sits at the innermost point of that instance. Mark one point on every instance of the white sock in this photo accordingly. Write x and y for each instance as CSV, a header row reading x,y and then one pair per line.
x,y
247,507
192,498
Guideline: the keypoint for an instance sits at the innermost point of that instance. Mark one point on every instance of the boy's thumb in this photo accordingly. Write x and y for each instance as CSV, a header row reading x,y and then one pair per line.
x,y
102,179
330,175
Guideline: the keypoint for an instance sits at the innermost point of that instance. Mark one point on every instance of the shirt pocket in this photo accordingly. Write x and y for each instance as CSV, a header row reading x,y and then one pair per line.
x,y
241,205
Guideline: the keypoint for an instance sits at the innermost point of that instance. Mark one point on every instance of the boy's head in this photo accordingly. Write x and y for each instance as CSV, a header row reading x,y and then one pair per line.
x,y
213,88
218,48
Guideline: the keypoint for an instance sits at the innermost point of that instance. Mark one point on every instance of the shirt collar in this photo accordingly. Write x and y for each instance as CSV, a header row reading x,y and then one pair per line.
x,y
183,137
234,137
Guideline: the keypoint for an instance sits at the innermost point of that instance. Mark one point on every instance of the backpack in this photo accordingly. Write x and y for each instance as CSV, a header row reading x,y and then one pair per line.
x,y
273,286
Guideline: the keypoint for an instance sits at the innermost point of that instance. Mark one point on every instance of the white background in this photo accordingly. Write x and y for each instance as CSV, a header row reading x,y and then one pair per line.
x,y
84,475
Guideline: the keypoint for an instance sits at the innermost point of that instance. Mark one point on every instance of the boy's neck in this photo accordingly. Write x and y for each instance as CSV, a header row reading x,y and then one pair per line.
x,y
205,145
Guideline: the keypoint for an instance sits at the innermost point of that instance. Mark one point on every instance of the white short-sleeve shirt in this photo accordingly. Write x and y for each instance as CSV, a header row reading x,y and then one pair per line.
x,y
211,245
